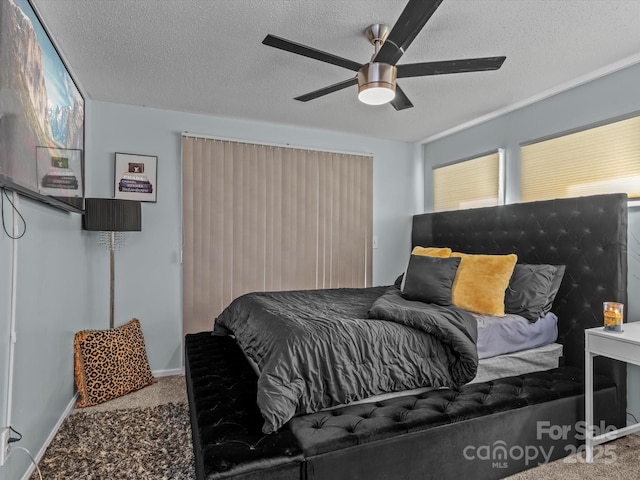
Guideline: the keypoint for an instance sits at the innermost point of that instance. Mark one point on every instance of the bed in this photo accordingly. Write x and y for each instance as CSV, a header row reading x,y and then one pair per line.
x,y
469,424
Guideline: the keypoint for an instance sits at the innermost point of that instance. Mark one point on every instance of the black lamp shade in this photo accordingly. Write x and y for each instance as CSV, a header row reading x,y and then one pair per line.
x,y
112,215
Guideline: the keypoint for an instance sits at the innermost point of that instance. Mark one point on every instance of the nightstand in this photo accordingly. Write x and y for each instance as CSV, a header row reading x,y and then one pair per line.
x,y
623,346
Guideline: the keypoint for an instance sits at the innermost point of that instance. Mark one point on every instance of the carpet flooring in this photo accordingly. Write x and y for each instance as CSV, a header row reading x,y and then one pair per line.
x,y
146,435
617,460
137,443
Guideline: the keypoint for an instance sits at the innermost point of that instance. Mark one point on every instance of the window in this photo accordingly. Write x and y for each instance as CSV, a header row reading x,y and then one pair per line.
x,y
470,183
604,159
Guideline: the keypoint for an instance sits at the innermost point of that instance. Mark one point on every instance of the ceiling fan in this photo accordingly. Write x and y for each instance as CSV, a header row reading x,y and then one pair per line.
x,y
376,79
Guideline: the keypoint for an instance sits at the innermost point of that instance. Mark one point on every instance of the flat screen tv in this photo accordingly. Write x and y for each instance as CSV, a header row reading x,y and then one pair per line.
x,y
41,113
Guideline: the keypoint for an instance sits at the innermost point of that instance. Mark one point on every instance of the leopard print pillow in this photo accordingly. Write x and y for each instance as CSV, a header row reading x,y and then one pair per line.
x,y
110,363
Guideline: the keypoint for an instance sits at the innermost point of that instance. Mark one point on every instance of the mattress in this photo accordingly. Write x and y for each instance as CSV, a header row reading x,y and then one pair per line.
x,y
519,363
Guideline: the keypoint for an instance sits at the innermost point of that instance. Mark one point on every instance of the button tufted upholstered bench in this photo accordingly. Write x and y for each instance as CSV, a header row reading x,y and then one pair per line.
x,y
455,431
225,422
450,423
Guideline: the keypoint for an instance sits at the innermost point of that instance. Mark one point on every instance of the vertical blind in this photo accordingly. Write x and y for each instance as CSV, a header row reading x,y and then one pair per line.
x,y
269,218
603,159
466,184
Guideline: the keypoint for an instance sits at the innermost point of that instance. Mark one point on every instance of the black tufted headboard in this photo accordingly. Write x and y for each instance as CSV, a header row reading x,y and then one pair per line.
x,y
587,234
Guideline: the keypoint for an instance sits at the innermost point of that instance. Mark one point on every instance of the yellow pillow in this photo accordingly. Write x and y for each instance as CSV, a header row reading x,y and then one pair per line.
x,y
439,252
481,281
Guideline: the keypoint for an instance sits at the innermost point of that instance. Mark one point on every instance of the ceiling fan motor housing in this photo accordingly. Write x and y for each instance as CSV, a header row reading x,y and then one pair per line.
x,y
377,75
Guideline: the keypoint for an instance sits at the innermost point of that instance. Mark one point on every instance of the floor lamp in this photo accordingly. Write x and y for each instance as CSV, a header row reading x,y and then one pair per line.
x,y
112,216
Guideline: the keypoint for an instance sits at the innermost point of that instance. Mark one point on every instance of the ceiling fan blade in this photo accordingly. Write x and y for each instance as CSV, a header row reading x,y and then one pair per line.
x,y
326,90
401,101
412,19
299,49
449,66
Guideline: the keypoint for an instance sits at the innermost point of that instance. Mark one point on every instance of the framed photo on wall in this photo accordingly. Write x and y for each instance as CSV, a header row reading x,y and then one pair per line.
x,y
60,172
135,177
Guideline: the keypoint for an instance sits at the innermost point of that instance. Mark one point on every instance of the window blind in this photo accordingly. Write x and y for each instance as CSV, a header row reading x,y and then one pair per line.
x,y
268,218
466,184
604,159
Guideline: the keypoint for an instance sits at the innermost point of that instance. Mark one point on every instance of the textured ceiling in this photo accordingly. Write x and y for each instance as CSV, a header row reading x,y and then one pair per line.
x,y
206,56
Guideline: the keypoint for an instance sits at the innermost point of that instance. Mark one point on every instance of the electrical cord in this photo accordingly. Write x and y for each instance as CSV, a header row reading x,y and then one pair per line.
x,y
32,459
4,224
632,416
13,439
17,439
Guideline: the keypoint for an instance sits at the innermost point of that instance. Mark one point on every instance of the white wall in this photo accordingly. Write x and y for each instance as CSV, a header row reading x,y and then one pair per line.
x,y
608,97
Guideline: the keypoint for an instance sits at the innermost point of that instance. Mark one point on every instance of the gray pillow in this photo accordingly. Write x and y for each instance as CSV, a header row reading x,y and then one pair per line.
x,y
429,279
530,292
555,286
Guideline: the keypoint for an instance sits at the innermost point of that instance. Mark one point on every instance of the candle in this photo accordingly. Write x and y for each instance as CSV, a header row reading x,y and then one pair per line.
x,y
613,312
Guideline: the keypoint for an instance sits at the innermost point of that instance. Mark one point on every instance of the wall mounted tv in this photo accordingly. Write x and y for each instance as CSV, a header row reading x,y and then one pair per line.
x,y
41,113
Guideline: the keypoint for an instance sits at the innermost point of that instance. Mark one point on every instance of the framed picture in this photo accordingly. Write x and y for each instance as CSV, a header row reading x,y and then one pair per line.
x,y
60,172
135,177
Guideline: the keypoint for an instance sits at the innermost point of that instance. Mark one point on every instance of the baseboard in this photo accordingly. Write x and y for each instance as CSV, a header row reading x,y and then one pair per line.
x,y
168,373
43,449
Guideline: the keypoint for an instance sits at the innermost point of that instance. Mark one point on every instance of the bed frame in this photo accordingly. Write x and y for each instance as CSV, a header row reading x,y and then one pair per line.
x,y
485,430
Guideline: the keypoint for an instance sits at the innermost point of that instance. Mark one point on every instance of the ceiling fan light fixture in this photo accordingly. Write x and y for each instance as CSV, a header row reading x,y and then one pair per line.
x,y
376,83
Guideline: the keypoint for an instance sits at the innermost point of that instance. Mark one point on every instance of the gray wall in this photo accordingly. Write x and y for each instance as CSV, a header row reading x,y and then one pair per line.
x,y
53,282
608,97
63,283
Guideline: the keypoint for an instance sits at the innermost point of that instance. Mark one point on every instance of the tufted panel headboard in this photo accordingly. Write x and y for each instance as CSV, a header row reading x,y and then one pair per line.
x,y
587,234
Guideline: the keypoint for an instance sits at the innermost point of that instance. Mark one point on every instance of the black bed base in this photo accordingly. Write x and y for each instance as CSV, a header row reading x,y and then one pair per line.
x,y
485,431
225,422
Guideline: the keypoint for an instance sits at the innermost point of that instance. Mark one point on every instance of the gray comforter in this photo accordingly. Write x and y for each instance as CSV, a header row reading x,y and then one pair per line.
x,y
320,348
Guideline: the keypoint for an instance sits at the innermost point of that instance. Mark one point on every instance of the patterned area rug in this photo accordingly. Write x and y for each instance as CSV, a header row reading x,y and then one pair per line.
x,y
141,443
